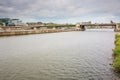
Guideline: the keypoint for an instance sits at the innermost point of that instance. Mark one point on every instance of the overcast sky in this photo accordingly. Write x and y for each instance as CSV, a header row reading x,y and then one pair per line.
x,y
61,11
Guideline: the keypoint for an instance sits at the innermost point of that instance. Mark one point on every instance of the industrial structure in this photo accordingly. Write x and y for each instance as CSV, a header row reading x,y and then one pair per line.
x,y
10,22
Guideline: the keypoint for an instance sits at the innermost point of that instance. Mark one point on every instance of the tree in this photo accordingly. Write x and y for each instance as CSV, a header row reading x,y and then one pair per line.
x,y
1,24
111,21
119,25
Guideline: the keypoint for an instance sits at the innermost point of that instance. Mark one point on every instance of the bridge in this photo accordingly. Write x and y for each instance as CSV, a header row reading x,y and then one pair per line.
x,y
82,26
78,26
51,26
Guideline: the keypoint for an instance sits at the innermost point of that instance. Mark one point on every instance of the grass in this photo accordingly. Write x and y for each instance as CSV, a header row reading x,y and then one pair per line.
x,y
116,62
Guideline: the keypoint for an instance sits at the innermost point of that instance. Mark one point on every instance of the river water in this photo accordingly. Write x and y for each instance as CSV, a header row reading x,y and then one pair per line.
x,y
81,55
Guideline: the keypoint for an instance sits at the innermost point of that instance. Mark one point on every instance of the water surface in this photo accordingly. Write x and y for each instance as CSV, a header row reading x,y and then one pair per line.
x,y
58,56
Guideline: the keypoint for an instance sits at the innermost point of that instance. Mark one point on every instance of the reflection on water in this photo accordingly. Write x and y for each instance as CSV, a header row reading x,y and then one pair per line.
x,y
58,56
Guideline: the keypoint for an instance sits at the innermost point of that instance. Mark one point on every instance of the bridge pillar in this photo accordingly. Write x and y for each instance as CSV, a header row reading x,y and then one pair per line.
x,y
80,27
77,27
116,27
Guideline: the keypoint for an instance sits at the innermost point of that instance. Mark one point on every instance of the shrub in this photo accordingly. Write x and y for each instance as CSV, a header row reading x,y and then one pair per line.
x,y
117,36
116,63
117,51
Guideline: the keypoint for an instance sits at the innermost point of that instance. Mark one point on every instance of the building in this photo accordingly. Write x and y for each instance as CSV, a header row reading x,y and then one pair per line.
x,y
89,22
35,24
11,22
15,22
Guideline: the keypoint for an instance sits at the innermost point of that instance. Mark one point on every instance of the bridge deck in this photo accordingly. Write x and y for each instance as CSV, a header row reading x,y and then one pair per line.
x,y
98,24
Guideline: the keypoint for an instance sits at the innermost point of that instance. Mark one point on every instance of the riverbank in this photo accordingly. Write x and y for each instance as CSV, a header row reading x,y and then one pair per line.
x,y
27,32
116,62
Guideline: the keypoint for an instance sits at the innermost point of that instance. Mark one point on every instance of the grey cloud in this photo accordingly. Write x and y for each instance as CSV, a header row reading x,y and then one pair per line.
x,y
57,8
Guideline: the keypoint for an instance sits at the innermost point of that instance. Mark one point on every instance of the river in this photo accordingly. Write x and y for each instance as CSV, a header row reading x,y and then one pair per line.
x,y
77,55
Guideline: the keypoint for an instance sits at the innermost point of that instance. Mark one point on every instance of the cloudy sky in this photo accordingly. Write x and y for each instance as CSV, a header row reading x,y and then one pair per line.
x,y
61,11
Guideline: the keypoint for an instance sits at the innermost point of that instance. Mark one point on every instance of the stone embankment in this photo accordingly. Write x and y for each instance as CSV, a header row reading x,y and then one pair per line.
x,y
27,32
